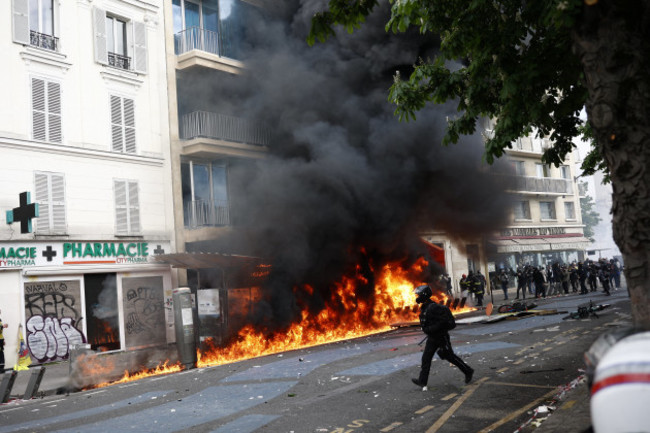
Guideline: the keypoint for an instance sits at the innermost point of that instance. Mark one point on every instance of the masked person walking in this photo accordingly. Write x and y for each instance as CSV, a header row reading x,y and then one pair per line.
x,y
436,320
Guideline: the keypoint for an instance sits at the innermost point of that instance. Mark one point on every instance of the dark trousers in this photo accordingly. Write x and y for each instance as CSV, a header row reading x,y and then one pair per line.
x,y
2,358
523,291
441,344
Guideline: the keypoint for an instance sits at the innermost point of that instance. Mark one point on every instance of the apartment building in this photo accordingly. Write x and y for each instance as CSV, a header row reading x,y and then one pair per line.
x,y
211,136
84,135
546,224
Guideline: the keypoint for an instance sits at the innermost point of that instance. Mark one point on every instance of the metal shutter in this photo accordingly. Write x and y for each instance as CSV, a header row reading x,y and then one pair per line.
x,y
39,131
121,211
140,47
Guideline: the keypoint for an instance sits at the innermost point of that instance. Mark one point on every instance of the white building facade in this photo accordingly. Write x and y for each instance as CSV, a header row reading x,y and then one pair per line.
x,y
84,130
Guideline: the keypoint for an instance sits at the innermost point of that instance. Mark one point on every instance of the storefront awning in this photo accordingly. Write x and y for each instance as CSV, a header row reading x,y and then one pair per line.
x,y
206,260
540,244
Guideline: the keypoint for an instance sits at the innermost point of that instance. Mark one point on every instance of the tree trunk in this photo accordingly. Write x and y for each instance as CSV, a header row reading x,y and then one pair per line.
x,y
612,40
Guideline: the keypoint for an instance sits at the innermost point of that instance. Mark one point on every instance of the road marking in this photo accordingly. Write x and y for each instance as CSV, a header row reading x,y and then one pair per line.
x,y
424,409
390,427
9,410
454,407
527,385
502,370
586,332
449,397
519,361
96,392
568,405
533,354
516,413
547,349
559,343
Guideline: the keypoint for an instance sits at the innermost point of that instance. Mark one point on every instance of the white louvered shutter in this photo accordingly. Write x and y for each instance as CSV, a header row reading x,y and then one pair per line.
x,y
121,208
39,129
134,208
42,197
99,26
54,112
129,125
58,203
117,135
140,47
20,13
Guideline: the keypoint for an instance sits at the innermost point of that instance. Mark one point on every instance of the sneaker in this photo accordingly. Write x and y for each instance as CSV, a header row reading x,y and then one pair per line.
x,y
468,375
418,383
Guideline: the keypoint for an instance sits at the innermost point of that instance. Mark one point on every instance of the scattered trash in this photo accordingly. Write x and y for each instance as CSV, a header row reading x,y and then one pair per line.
x,y
301,359
291,395
542,409
393,349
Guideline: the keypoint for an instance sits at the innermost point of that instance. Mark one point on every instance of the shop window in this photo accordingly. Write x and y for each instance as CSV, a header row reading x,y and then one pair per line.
x,y
102,314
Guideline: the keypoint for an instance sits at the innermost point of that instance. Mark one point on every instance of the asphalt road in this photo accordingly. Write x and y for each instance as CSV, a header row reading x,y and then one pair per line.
x,y
355,386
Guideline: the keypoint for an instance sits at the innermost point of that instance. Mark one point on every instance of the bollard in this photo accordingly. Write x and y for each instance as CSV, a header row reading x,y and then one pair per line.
x,y
34,382
7,383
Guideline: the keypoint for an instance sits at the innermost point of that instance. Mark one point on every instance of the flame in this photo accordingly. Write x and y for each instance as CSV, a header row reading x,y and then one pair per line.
x,y
354,317
393,301
163,368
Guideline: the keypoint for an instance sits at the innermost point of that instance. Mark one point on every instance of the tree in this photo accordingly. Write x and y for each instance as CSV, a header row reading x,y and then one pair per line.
x,y
533,66
590,218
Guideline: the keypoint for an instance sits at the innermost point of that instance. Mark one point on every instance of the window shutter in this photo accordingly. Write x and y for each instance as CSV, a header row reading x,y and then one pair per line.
x,y
58,203
38,110
54,112
116,124
20,12
121,211
42,197
134,208
99,26
129,125
140,47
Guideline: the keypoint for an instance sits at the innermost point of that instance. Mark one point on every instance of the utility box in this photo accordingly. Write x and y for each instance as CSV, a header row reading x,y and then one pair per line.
x,y
184,326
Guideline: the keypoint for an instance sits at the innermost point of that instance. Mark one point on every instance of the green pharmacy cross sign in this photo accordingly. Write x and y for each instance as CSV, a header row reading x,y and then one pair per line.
x,y
23,213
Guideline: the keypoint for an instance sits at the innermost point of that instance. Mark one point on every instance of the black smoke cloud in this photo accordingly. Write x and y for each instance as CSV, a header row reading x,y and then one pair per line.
x,y
344,182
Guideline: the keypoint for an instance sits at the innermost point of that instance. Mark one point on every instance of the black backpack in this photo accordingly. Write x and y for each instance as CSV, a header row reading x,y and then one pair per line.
x,y
443,313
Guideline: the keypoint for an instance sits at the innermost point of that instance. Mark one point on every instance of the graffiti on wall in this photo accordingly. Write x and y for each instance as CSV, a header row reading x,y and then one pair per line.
x,y
144,311
53,314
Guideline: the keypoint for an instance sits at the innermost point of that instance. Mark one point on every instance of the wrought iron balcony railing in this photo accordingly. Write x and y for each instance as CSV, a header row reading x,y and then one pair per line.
x,y
119,61
223,127
206,213
42,40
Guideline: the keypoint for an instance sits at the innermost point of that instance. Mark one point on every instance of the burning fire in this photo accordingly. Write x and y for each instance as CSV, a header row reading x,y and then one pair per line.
x,y
393,302
128,377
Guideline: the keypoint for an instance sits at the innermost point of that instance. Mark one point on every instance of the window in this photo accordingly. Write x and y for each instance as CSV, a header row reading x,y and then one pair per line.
x,y
520,168
122,124
120,42
49,191
547,210
116,43
522,210
543,170
205,194
565,172
34,23
569,210
214,26
46,110
127,208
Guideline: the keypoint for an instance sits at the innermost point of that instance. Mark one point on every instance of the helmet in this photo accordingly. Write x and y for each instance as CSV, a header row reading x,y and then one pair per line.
x,y
423,293
464,276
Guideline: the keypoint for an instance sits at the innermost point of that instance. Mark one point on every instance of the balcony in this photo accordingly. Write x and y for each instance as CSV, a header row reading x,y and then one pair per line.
x,y
200,47
528,145
207,134
541,185
119,61
206,213
44,41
